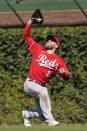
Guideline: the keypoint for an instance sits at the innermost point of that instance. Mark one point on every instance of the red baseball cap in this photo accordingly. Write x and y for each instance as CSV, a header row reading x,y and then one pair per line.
x,y
57,41
52,38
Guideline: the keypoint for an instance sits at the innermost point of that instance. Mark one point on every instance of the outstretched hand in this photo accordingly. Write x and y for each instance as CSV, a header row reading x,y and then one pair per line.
x,y
29,22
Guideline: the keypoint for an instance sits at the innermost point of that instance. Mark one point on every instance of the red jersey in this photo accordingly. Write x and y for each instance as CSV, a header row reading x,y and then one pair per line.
x,y
43,65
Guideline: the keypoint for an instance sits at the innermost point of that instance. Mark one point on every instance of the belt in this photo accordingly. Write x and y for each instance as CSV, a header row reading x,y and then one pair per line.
x,y
42,84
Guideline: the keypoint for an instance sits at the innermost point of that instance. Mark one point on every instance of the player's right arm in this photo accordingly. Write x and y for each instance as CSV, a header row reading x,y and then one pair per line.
x,y
33,46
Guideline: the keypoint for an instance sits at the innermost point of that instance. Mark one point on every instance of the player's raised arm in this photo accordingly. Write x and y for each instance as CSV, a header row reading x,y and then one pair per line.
x,y
37,18
27,34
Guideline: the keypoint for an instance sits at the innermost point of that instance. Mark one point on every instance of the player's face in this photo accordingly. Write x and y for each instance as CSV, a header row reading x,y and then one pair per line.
x,y
51,45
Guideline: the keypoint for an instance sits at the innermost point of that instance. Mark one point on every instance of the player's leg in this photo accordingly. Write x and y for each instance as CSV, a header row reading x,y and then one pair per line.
x,y
37,101
34,113
46,109
40,92
45,105
27,114
44,101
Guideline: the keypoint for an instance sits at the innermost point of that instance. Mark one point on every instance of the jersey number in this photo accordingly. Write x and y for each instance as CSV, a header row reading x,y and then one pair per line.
x,y
49,73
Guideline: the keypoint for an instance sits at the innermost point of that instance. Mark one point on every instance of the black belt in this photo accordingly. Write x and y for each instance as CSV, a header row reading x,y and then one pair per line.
x,y
42,84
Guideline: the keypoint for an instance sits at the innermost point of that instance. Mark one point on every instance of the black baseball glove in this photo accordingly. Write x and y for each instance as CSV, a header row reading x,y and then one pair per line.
x,y
37,17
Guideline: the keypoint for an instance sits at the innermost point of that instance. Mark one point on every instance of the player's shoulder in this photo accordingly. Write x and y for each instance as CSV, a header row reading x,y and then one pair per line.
x,y
38,46
43,51
59,58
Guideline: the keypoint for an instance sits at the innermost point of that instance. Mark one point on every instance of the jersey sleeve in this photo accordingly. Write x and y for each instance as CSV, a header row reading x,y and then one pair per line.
x,y
62,65
33,46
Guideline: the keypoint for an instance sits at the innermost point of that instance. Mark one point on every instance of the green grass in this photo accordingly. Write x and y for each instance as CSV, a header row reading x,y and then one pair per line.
x,y
27,5
77,127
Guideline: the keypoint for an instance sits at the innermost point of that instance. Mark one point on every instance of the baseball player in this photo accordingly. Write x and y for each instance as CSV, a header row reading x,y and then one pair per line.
x,y
45,64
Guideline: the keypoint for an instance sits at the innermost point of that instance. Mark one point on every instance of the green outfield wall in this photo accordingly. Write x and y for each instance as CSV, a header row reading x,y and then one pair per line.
x,y
68,99
28,5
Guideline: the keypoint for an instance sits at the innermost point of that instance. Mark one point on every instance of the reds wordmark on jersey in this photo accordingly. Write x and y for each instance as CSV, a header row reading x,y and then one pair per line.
x,y
43,65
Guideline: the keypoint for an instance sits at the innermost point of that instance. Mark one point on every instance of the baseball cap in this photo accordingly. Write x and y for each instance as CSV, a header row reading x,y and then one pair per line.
x,y
52,38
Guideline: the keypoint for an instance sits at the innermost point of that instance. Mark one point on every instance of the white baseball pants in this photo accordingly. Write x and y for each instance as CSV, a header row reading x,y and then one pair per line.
x,y
42,101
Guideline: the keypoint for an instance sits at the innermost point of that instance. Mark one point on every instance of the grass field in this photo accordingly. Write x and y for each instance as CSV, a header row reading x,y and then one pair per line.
x,y
77,127
27,5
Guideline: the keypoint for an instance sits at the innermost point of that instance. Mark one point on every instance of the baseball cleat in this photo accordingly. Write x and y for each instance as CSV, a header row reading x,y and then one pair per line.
x,y
53,123
26,120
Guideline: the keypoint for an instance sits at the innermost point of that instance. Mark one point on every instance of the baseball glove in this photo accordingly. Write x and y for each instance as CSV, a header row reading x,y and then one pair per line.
x,y
37,17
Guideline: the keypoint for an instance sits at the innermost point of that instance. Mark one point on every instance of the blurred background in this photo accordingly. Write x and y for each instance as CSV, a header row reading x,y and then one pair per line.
x,y
65,19
28,5
59,12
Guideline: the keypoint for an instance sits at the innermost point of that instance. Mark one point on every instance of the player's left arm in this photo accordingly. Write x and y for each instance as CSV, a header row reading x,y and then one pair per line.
x,y
63,72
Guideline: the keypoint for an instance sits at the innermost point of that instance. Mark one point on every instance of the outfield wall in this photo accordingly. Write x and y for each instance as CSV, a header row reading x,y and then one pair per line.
x,y
46,5
68,98
56,12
